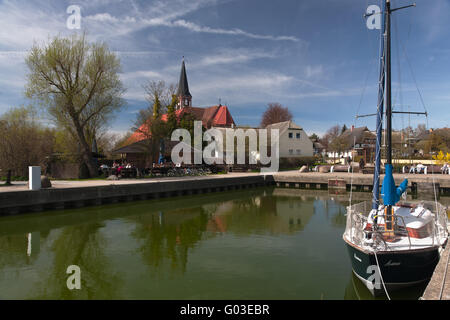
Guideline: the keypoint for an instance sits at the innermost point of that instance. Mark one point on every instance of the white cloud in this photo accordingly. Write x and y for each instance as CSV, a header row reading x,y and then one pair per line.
x,y
238,32
147,74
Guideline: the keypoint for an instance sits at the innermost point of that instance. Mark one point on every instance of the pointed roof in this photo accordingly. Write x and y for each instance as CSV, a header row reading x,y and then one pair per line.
x,y
223,117
183,87
357,135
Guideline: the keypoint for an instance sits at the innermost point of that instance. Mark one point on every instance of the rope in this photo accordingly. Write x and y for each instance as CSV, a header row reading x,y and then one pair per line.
x,y
381,276
351,178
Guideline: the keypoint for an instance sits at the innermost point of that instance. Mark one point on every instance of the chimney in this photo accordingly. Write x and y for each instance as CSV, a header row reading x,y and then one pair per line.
x,y
353,127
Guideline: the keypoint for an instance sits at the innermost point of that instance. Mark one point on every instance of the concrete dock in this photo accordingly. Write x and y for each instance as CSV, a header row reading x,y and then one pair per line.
x,y
17,199
439,286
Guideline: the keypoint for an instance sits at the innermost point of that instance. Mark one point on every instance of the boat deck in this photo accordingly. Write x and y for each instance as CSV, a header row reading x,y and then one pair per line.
x,y
403,244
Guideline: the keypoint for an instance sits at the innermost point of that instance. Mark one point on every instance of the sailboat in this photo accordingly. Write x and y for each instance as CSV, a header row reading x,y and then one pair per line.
x,y
393,243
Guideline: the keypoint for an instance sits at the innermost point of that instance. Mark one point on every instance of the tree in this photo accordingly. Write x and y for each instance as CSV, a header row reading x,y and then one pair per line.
x,y
435,143
420,130
331,140
156,108
275,113
330,135
338,145
159,91
24,141
172,121
78,84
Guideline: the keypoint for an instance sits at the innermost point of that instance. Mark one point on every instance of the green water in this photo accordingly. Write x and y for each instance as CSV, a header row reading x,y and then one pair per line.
x,y
257,244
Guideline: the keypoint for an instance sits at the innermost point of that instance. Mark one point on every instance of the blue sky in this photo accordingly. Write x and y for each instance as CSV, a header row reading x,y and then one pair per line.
x,y
315,57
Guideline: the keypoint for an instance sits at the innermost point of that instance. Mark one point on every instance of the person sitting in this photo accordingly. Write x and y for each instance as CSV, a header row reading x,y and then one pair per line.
x,y
445,168
119,169
412,169
420,168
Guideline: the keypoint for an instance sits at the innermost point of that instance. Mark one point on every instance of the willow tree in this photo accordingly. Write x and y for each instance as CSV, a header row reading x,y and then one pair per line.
x,y
78,84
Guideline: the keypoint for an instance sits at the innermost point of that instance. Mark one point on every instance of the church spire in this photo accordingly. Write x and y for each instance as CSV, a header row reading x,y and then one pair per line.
x,y
184,96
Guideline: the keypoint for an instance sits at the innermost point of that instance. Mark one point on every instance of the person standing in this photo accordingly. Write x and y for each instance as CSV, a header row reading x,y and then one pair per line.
x,y
361,164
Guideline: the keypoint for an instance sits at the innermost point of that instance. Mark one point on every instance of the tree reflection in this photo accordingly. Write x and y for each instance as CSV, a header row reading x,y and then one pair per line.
x,y
167,238
84,246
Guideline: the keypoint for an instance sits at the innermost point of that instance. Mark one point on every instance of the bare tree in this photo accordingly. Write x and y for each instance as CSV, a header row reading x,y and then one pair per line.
x,y
275,113
159,91
24,141
331,140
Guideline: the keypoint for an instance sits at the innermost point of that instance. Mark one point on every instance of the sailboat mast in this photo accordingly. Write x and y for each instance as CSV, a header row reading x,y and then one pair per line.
x,y
380,113
388,85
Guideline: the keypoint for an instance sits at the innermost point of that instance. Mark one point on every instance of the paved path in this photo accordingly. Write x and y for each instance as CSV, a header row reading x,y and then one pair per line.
x,y
61,184
444,180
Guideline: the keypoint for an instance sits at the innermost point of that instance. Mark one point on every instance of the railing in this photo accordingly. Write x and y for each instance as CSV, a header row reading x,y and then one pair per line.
x,y
357,219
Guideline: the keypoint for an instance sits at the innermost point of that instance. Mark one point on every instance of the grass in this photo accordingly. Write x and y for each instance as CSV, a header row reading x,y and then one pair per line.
x,y
14,179
4,185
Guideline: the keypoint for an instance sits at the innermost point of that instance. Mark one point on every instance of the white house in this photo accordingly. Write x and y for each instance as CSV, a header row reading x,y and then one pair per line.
x,y
294,142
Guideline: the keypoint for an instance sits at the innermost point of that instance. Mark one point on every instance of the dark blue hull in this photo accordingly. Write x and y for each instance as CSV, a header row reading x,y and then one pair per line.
x,y
398,269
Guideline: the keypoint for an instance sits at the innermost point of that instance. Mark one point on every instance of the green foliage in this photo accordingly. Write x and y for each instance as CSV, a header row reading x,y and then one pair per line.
x,y
187,122
156,108
78,84
171,116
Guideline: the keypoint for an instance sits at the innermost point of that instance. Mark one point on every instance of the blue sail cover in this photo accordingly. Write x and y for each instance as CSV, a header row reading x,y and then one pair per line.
x,y
391,194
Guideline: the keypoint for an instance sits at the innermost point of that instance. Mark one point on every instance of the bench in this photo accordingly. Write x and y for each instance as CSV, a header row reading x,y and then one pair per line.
x,y
428,169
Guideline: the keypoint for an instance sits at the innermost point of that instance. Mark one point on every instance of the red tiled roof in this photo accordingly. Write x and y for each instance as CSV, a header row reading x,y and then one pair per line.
x,y
223,117
218,116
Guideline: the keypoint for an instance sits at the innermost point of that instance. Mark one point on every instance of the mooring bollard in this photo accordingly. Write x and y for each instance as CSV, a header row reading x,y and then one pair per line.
x,y
34,182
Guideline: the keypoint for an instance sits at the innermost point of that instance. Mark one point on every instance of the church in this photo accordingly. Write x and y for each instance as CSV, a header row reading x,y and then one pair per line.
x,y
218,116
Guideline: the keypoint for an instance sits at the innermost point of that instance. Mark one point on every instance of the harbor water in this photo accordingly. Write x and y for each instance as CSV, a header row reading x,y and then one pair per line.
x,y
263,243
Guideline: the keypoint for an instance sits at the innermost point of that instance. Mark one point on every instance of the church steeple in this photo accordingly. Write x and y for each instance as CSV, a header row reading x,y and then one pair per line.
x,y
184,96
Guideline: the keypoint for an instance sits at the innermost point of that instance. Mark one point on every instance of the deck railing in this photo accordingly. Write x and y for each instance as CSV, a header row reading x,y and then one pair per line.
x,y
358,234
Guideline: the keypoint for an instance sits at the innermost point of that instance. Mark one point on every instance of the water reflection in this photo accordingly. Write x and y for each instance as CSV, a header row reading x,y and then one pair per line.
x,y
356,290
84,246
166,237
256,244
169,236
